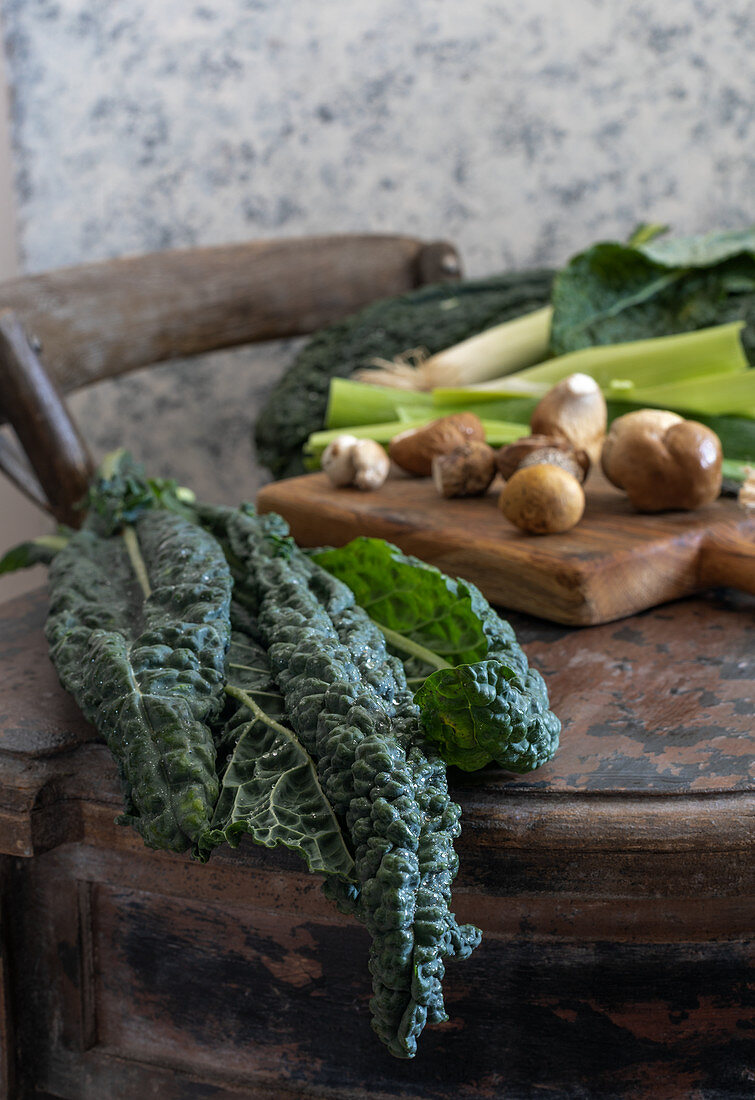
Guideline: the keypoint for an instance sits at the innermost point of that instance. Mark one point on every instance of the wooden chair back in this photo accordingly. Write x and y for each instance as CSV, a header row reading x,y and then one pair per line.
x,y
69,328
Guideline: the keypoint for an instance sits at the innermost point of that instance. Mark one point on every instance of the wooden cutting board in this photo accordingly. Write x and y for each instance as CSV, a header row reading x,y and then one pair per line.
x,y
613,564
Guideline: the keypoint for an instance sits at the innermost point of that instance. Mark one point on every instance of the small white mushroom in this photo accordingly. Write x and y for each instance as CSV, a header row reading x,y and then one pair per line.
x,y
362,463
371,464
337,460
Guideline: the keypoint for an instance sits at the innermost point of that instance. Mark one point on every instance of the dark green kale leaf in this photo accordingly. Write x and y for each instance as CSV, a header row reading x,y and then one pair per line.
x,y
38,551
433,317
419,608
409,597
482,713
269,788
614,293
148,670
349,705
120,492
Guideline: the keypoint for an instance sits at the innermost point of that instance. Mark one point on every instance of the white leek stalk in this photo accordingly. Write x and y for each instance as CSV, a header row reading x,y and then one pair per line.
x,y
501,350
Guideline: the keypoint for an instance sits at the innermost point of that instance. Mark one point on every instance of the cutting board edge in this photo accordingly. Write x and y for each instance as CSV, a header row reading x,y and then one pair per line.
x,y
572,602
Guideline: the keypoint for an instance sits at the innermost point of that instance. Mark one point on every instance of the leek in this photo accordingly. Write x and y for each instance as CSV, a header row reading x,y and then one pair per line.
x,y
620,368
732,470
497,434
715,395
494,352
351,402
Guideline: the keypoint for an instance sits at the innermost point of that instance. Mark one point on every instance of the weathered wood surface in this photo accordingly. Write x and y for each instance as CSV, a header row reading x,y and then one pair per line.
x,y
98,320
614,563
614,888
35,408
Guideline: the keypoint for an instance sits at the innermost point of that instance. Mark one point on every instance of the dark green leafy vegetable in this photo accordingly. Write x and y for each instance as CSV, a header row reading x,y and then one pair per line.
x,y
39,551
348,703
433,317
433,620
613,293
307,717
481,713
269,787
410,598
120,492
148,670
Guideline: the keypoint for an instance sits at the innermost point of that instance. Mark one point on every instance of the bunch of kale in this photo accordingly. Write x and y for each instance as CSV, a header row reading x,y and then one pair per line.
x,y
241,689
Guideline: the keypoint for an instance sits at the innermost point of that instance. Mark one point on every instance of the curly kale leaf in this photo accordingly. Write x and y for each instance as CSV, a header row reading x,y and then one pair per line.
x,y
482,713
348,703
419,608
614,293
269,788
434,317
148,670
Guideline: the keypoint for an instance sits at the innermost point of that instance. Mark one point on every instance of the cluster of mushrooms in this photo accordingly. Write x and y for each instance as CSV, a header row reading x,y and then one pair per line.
x,y
660,460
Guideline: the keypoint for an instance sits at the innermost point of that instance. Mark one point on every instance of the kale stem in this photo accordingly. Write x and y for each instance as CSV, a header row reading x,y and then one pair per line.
x,y
245,698
414,649
137,561
250,668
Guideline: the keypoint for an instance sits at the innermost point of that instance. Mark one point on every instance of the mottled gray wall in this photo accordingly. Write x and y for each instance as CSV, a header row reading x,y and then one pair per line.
x,y
521,129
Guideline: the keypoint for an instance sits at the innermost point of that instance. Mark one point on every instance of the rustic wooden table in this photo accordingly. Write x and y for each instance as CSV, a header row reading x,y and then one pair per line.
x,y
614,888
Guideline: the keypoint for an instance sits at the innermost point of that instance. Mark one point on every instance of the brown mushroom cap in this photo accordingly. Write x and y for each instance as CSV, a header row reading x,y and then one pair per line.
x,y
531,449
415,449
466,471
574,409
542,499
510,457
576,463
662,461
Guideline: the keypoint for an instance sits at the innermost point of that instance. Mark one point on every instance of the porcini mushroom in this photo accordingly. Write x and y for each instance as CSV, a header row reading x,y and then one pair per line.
x,y
575,410
531,449
542,499
466,471
415,449
663,461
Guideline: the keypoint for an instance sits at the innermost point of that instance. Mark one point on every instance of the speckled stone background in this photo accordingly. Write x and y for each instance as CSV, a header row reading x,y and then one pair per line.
x,y
520,130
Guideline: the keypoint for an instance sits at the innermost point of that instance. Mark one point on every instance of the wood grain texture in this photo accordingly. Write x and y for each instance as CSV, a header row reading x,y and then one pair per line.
x,y
614,563
98,320
233,980
657,715
615,888
34,406
7,1016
